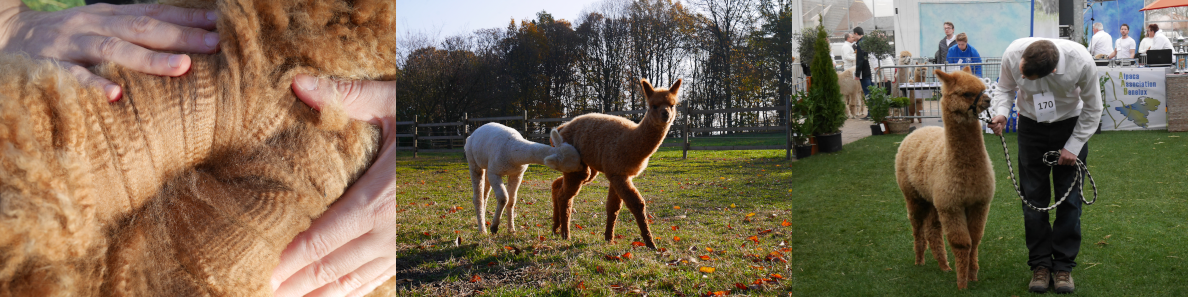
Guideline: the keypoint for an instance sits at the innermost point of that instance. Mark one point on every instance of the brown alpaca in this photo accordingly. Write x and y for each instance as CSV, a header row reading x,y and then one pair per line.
x,y
946,177
851,89
189,185
620,149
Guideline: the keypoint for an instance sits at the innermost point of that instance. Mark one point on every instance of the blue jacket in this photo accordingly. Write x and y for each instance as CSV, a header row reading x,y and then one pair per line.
x,y
970,55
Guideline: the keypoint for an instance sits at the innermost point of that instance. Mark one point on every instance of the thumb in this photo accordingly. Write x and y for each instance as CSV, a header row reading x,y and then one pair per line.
x,y
364,100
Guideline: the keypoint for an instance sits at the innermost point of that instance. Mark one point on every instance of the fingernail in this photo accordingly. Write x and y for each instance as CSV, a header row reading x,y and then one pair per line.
x,y
212,39
308,83
113,93
174,60
212,16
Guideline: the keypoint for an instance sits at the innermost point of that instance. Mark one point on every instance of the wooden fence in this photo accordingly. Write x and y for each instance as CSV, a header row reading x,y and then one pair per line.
x,y
681,131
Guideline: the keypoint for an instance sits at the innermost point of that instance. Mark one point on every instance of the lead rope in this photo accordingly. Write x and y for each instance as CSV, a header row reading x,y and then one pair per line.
x,y
1056,154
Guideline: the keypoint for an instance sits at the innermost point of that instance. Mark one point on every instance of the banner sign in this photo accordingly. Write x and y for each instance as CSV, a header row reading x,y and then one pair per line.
x,y
1134,98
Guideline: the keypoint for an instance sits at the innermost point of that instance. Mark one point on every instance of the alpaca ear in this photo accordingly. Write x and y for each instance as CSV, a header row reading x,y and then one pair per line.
x,y
676,87
966,69
555,138
944,77
647,87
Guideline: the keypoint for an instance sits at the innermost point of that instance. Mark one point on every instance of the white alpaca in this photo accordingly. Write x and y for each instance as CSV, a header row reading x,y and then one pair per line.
x,y
494,151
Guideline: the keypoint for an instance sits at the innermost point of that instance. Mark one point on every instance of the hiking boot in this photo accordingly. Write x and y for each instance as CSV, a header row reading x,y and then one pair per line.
x,y
1064,282
1040,280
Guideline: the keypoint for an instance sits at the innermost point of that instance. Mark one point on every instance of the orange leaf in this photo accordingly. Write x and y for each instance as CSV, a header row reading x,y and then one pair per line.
x,y
508,248
764,231
740,286
750,214
613,258
492,264
753,238
627,256
676,238
777,276
618,236
704,258
705,269
676,207
709,249
457,208
721,293
426,233
785,223
581,285
475,279
636,243
674,228
541,237
578,226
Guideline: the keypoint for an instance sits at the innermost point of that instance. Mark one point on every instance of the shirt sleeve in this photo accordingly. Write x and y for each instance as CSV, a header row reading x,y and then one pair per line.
x,y
1090,112
1004,94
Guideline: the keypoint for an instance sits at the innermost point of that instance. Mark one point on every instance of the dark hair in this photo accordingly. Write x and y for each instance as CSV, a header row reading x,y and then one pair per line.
x,y
1153,27
951,25
858,30
1125,25
961,37
1040,58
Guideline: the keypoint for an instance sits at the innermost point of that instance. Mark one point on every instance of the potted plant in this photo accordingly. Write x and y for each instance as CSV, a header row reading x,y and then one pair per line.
x,y
827,110
899,125
880,44
806,47
800,124
879,108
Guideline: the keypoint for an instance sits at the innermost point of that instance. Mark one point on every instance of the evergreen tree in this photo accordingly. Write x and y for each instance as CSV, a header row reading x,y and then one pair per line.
x,y
827,110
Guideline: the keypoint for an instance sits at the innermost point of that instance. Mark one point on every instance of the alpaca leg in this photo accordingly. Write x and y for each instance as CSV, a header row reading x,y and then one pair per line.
x,y
496,182
932,234
479,185
613,205
558,187
957,231
563,204
635,202
513,184
977,226
918,211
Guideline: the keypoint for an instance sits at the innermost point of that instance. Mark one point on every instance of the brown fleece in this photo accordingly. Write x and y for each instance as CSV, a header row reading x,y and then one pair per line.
x,y
947,179
189,185
620,148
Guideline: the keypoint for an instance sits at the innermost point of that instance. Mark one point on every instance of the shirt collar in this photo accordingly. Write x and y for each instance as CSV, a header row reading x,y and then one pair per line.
x,y
1061,64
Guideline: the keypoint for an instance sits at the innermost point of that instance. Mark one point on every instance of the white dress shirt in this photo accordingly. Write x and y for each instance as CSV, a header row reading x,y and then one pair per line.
x,y
1100,45
1125,46
1160,41
1074,86
848,56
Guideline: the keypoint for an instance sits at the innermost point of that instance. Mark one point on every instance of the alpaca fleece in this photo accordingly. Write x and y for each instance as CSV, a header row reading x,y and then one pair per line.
x,y
851,89
189,185
947,179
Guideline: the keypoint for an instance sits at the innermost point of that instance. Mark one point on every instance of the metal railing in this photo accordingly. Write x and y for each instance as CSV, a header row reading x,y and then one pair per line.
x,y
923,87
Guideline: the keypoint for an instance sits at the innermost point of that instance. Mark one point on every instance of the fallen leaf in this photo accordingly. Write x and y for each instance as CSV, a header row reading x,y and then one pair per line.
x,y
740,286
776,276
676,207
613,258
750,214
704,257
753,238
581,285
785,223
706,269
676,238
578,226
674,228
627,256
541,237
475,279
426,233
732,205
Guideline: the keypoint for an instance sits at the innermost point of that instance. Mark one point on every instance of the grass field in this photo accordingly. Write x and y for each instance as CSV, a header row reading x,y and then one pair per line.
x,y
837,220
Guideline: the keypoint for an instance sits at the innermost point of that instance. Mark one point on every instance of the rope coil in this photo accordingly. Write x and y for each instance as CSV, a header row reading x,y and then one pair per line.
x,y
1053,161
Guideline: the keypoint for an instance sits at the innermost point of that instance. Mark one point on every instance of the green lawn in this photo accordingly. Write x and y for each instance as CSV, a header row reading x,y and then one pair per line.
x,y
847,232
53,5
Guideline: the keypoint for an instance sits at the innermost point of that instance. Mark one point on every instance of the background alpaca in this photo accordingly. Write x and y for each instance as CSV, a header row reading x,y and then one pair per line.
x,y
902,75
621,149
851,89
946,177
190,185
494,151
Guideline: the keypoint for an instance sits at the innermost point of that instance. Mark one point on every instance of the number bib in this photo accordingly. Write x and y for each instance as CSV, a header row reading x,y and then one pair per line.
x,y
1045,107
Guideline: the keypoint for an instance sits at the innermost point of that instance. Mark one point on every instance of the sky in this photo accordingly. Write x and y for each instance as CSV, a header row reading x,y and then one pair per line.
x,y
444,18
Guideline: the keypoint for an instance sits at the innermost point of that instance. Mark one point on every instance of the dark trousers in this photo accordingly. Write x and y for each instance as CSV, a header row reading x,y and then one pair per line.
x,y
866,91
1054,245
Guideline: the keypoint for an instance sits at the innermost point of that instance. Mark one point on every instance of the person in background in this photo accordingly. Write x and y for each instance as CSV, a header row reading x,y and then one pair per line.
x,y
862,65
962,52
945,43
1124,46
1158,40
848,54
1100,46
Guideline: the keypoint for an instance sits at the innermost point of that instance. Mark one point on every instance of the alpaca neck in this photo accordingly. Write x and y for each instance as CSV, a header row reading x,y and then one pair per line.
x,y
963,132
527,152
648,135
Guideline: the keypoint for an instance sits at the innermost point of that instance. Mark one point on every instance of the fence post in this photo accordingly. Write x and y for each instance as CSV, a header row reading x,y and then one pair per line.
x,y
787,127
465,131
685,149
414,133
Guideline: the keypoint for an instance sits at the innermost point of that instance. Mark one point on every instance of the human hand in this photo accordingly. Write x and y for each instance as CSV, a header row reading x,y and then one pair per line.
x,y
128,35
997,124
351,249
1067,158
